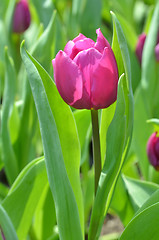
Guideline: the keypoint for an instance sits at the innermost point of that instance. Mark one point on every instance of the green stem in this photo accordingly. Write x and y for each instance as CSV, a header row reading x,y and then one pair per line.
x,y
96,147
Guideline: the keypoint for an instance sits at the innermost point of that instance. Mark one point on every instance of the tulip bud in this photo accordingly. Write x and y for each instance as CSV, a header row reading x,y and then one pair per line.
x,y
153,150
140,46
86,73
21,17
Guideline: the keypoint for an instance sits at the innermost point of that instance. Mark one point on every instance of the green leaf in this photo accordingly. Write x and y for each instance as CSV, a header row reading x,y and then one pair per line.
x,y
155,123
107,176
118,135
141,133
154,198
8,155
3,191
62,158
45,216
44,10
83,123
129,31
24,196
149,80
139,191
90,14
42,49
6,226
106,118
14,122
121,203
144,225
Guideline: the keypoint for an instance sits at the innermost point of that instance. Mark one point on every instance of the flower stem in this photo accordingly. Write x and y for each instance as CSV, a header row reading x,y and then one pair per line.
x,y
96,147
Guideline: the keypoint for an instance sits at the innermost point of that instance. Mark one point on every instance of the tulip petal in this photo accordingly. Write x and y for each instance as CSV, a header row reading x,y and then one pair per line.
x,y
151,151
68,47
104,81
101,42
140,46
71,43
21,17
68,78
87,61
72,49
79,37
156,148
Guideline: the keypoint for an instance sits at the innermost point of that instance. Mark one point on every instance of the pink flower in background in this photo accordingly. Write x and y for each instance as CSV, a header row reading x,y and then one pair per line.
x,y
153,150
140,46
21,17
86,73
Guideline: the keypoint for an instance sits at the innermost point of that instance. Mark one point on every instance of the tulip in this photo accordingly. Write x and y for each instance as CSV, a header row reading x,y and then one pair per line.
x,y
140,46
21,17
153,150
86,73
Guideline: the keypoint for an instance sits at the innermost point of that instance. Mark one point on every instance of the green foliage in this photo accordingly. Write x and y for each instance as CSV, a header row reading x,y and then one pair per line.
x,y
117,141
22,199
6,226
8,155
52,197
55,151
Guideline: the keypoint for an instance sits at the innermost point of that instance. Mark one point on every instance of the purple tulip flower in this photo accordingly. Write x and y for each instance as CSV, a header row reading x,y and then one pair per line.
x,y
140,46
153,150
86,73
21,17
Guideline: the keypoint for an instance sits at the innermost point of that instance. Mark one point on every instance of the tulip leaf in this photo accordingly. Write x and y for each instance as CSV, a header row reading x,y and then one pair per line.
x,y
118,135
149,80
129,31
139,191
90,13
154,198
44,9
141,133
121,203
83,123
6,226
130,197
146,97
106,178
106,118
24,196
8,154
42,51
45,216
144,225
61,149
155,123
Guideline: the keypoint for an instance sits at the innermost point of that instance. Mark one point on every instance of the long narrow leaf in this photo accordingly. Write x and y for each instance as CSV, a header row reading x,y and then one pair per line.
x,y
65,203
24,196
118,136
8,155
6,226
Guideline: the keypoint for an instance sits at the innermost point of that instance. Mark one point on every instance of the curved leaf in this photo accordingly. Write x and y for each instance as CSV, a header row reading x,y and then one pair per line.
x,y
22,199
52,123
6,226
144,225
8,155
119,134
